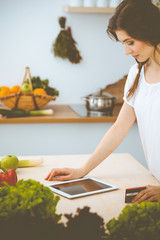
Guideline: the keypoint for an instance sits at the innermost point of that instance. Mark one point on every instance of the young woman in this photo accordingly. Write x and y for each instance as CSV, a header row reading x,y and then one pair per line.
x,y
136,24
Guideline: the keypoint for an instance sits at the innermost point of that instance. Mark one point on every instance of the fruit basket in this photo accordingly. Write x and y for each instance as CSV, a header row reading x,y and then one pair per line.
x,y
26,100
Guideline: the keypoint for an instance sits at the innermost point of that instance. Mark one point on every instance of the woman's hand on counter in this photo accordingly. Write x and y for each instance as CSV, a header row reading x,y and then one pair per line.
x,y
151,193
63,174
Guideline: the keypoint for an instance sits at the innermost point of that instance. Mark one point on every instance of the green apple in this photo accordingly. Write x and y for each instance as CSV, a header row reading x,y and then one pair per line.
x,y
9,161
26,87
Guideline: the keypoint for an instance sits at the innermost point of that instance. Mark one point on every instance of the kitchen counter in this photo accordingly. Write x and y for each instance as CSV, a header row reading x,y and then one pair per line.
x,y
121,170
62,114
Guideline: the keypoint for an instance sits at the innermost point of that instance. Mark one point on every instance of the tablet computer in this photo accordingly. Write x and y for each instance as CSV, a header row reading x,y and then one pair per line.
x,y
81,187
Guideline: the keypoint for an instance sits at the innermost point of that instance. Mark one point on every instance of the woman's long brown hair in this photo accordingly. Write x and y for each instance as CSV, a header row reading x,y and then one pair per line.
x,y
134,86
141,20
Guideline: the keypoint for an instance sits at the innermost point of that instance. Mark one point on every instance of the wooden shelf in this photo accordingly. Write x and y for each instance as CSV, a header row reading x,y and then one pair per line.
x,y
88,9
62,114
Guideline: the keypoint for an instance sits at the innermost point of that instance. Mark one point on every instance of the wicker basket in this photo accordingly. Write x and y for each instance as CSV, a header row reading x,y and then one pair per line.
x,y
26,101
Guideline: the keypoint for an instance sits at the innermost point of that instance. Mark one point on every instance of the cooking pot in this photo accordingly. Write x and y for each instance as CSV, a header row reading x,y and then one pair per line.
x,y
103,102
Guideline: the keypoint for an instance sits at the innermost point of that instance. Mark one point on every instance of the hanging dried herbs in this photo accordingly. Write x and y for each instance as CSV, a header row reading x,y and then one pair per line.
x,y
64,45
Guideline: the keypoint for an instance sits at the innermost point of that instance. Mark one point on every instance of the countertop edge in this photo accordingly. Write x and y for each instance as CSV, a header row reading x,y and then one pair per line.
x,y
62,114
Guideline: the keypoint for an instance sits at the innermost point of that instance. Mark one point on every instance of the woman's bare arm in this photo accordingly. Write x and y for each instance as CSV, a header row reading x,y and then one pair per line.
x,y
112,138
108,144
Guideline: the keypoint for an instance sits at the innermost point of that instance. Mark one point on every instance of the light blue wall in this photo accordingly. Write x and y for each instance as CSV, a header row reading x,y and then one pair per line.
x,y
28,29
61,139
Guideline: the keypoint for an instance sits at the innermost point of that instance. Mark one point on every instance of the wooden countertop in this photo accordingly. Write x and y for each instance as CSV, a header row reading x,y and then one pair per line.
x,y
121,170
62,114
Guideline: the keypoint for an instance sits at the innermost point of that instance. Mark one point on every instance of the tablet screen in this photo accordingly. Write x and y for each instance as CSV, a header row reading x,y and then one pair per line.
x,y
81,187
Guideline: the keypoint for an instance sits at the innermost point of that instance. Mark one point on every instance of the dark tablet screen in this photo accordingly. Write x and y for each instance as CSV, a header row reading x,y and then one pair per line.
x,y
82,186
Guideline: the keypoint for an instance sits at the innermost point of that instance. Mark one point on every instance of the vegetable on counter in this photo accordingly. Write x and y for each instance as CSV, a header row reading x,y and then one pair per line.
x,y
27,198
84,225
30,163
9,176
11,161
136,221
24,113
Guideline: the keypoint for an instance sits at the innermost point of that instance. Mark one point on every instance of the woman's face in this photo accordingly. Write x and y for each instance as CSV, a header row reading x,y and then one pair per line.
x,y
138,49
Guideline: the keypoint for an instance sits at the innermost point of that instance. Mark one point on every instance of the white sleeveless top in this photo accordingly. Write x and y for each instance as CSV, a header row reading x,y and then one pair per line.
x,y
146,104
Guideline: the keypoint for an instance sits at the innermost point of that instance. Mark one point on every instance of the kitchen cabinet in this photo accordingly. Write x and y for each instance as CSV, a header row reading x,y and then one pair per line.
x,y
100,10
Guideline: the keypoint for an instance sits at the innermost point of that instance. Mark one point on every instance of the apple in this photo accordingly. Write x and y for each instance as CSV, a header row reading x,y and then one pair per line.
x,y
9,161
26,87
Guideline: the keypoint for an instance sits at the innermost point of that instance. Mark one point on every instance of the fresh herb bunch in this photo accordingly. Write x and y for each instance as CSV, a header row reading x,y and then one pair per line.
x,y
65,45
139,221
28,198
38,83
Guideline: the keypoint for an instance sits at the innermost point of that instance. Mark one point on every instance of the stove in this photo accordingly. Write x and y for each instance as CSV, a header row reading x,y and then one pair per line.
x,y
82,111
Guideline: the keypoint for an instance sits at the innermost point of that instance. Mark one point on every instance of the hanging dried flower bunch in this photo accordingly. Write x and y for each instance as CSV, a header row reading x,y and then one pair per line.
x,y
64,45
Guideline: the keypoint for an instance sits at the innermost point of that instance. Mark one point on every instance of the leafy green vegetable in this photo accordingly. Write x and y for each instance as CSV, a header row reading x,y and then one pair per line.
x,y
82,226
28,198
85,225
31,228
139,221
13,113
24,113
38,83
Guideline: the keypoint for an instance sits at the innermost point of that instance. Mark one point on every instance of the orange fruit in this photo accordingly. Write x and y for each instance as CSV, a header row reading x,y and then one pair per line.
x,y
15,89
39,91
4,90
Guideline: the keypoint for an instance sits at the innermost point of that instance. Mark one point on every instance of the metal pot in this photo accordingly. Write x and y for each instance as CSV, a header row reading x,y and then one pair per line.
x,y
103,102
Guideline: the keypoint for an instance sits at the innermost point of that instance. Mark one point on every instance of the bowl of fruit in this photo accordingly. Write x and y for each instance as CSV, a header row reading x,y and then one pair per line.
x,y
33,93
